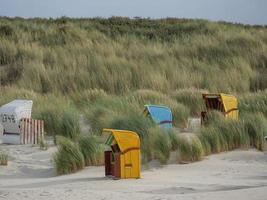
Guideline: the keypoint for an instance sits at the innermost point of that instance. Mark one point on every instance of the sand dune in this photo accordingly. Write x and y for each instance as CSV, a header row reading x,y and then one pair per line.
x,y
233,175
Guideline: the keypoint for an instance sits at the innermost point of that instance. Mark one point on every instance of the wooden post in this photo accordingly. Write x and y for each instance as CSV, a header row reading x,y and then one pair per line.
x,y
21,128
35,131
25,131
38,132
29,131
42,132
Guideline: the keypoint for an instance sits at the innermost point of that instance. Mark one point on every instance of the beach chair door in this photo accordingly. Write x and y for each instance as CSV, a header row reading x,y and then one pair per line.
x,y
128,164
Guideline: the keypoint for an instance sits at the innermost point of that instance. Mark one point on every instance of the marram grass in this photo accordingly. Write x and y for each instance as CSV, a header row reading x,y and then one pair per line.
x,y
3,158
70,125
68,158
161,145
92,151
189,148
70,55
72,67
255,126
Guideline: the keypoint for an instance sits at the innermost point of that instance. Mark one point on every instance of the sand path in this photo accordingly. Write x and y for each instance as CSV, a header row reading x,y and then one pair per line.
x,y
233,175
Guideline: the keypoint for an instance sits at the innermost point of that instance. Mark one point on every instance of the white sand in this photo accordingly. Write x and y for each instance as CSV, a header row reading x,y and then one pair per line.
x,y
234,175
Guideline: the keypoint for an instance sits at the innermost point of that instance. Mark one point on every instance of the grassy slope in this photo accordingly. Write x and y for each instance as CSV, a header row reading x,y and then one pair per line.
x,y
106,68
118,55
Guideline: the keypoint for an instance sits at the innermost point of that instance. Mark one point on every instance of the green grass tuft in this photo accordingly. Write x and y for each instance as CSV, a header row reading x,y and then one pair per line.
x,y
255,125
92,151
43,144
190,148
70,125
174,139
3,158
161,144
68,158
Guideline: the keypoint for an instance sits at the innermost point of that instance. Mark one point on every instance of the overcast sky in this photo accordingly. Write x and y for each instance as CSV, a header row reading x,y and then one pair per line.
x,y
242,11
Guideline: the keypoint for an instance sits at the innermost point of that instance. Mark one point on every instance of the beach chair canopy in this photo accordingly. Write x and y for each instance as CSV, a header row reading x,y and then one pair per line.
x,y
225,103
124,139
161,115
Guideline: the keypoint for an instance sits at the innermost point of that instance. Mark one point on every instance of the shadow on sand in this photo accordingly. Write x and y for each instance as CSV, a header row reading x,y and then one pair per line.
x,y
56,182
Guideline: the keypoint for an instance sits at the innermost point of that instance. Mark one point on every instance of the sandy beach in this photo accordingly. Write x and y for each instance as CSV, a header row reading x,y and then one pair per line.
x,y
232,175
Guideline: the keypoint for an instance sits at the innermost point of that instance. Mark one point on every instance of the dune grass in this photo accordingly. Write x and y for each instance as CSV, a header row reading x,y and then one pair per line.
x,y
3,158
70,126
222,134
43,144
161,144
191,98
68,158
256,127
254,102
173,139
162,55
92,151
75,153
189,148
107,70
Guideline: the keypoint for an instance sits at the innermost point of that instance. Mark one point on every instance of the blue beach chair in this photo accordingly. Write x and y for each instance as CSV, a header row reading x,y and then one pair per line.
x,y
161,115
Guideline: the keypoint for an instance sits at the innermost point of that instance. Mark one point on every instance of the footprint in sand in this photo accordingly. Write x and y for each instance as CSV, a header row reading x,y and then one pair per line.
x,y
45,194
3,194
